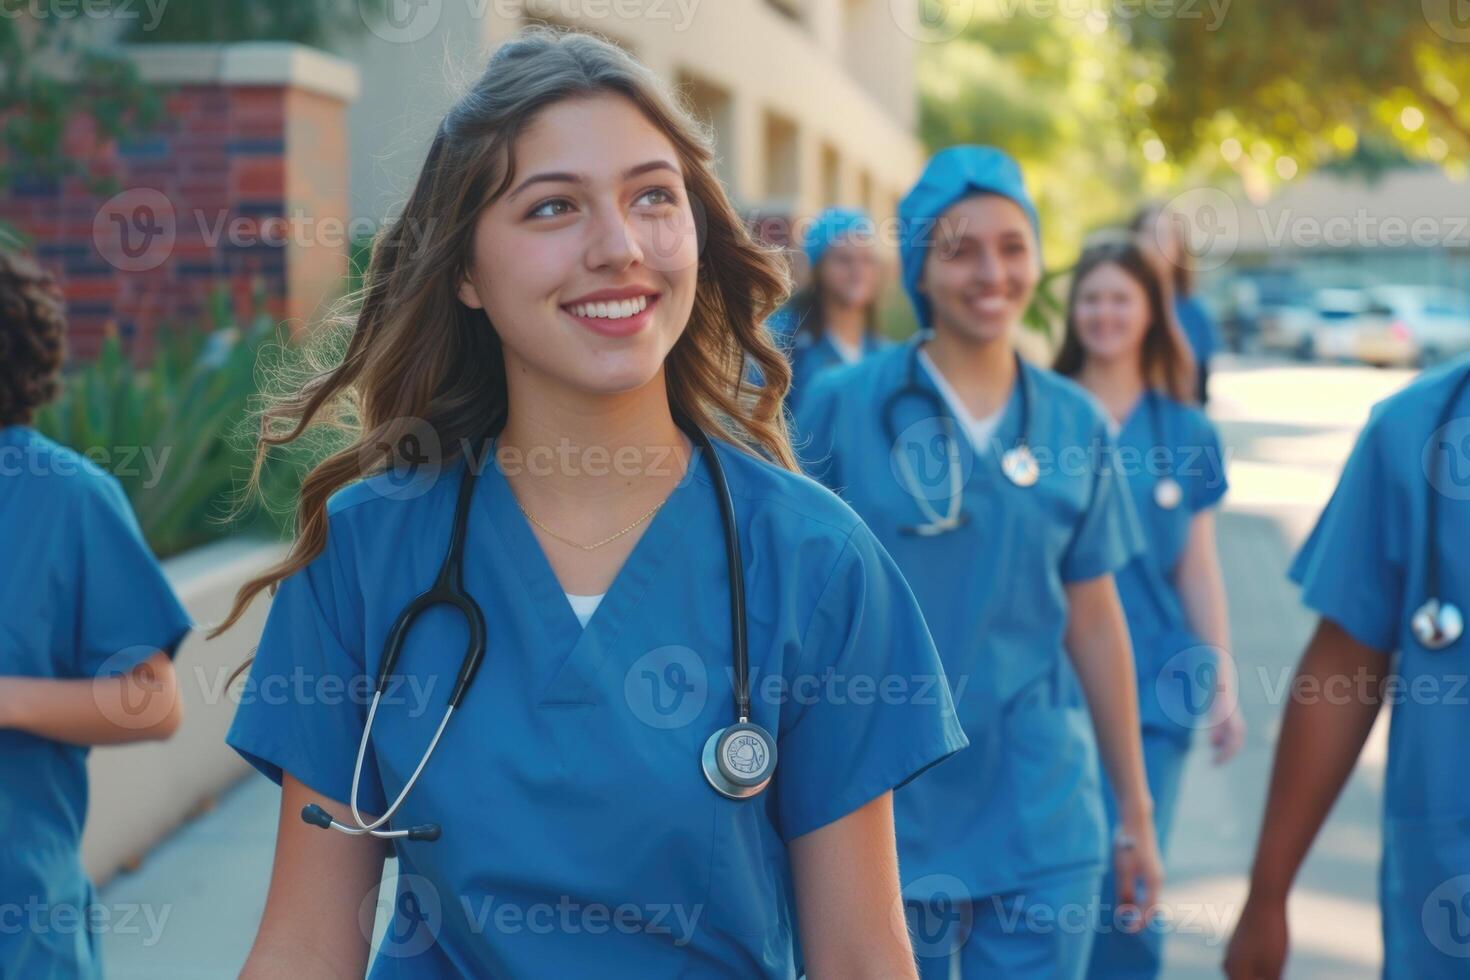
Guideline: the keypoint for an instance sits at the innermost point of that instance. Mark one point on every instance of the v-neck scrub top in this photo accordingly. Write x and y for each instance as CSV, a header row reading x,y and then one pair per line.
x,y
1024,803
82,597
579,834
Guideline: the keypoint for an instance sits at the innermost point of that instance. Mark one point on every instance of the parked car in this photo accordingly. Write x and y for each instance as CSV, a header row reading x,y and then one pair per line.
x,y
1413,326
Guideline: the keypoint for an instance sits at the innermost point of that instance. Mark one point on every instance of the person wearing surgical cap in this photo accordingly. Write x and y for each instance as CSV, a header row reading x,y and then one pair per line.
x,y
833,320
988,481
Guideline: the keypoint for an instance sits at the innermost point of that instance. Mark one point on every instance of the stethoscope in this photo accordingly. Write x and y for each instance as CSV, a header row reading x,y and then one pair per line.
x,y
1168,494
737,760
1436,624
1018,463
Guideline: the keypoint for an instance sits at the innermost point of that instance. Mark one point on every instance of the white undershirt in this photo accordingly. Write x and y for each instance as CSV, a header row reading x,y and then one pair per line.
x,y
979,430
584,605
850,353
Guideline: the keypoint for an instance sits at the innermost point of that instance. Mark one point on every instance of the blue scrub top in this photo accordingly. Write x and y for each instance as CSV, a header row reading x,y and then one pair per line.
x,y
82,597
1363,567
1024,802
810,356
1199,327
579,834
1162,437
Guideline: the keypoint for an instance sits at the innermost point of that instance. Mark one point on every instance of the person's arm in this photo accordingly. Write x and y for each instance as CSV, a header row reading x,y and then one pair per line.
x,y
848,907
1202,591
140,705
1097,642
319,882
1319,745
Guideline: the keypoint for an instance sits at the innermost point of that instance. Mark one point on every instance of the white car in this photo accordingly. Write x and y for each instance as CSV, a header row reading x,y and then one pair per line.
x,y
1413,326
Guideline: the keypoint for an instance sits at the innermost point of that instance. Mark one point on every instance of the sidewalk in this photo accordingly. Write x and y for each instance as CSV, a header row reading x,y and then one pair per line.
x,y
210,879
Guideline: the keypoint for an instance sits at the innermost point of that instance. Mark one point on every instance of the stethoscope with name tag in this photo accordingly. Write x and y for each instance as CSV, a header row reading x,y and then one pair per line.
x,y
1436,624
738,760
1018,463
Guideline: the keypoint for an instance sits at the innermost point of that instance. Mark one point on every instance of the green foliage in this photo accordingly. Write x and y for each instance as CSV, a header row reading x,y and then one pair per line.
x,y
178,434
39,95
314,22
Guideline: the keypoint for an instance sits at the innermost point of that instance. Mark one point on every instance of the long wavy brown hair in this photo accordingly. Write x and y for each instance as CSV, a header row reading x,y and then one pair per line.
x,y
1166,363
415,354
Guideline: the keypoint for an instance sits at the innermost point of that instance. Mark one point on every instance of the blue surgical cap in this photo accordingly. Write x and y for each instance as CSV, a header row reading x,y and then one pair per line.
x,y
831,226
952,174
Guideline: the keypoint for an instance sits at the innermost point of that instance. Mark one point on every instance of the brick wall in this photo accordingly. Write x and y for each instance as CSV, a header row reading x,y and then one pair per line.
x,y
242,184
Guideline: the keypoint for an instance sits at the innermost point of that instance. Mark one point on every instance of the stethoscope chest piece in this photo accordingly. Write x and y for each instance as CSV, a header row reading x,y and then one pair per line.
x,y
1019,466
738,761
1167,493
1436,625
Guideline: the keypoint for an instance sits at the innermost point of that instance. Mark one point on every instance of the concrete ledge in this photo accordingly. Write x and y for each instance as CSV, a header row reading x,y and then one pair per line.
x,y
246,63
138,794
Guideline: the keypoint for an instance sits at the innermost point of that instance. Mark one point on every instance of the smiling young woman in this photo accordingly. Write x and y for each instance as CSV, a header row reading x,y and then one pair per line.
x,y
565,308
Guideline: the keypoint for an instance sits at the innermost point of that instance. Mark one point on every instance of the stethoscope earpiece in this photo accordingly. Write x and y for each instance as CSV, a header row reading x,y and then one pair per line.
x,y
1436,625
738,761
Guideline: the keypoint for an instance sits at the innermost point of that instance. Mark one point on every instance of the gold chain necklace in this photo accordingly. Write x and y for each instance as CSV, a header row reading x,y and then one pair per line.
x,y
594,546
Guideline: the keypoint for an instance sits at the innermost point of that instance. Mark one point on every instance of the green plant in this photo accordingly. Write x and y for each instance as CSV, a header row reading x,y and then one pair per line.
x,y
178,433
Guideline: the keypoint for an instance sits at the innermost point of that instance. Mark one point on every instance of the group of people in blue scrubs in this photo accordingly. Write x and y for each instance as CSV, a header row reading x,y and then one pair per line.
x,y
923,710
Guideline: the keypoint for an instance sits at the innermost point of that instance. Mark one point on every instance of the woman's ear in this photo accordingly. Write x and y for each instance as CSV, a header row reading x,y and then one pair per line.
x,y
469,295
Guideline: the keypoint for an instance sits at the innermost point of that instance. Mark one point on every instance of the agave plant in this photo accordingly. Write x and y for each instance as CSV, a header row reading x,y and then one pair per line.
x,y
177,432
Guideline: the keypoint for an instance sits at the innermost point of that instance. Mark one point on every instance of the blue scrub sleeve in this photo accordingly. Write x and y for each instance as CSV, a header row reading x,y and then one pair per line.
x,y
305,704
126,610
1351,568
1204,481
1108,534
868,705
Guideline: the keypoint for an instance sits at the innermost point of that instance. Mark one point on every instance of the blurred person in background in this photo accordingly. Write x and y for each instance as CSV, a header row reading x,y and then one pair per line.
x,y
88,630
1160,228
833,320
1119,345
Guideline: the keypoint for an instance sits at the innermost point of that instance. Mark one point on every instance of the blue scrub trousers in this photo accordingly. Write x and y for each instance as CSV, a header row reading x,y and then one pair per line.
x,y
1043,932
1140,955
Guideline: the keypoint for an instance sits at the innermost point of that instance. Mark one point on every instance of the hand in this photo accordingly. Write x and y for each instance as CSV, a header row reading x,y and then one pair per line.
x,y
1257,951
1227,735
1136,858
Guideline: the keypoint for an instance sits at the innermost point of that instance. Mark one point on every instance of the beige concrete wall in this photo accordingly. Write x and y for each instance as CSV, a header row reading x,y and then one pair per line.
x,y
841,70
141,793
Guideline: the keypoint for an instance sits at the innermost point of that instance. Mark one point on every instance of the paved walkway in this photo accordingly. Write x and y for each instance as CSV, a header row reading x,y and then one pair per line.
x,y
1289,428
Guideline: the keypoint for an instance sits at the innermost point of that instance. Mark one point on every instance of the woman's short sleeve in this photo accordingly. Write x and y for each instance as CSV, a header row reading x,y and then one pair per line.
x,y
303,707
125,608
1351,567
869,707
1203,466
1108,534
